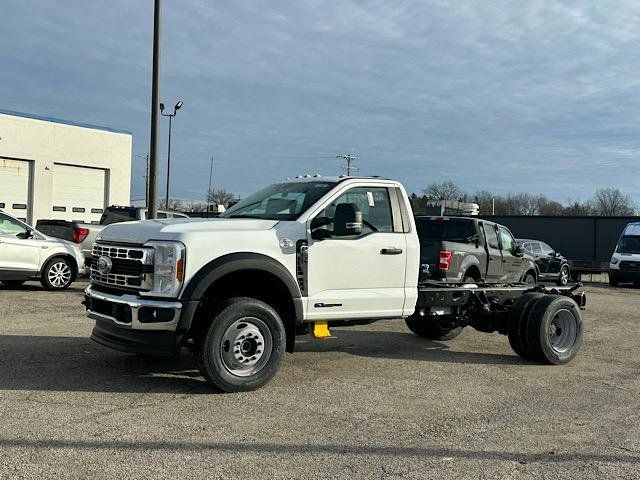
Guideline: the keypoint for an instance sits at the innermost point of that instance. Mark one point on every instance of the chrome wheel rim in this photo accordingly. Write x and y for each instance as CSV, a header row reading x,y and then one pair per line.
x,y
530,280
564,276
246,346
59,275
563,331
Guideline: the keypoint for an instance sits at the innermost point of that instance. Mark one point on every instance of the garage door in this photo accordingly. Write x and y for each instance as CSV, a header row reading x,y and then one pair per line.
x,y
14,188
78,193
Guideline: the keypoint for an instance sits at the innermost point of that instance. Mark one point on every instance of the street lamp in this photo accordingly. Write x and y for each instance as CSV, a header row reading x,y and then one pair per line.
x,y
170,115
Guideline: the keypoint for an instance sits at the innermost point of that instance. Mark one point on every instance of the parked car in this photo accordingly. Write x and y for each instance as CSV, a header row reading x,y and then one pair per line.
x,y
84,234
465,249
624,265
551,264
26,254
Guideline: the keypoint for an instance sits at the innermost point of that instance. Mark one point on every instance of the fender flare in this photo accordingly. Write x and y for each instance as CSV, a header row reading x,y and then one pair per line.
x,y
468,262
235,262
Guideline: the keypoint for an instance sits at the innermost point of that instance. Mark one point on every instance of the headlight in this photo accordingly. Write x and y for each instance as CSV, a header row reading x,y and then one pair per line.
x,y
614,260
168,268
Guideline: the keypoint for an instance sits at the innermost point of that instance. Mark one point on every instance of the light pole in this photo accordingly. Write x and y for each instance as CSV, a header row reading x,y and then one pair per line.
x,y
170,115
152,200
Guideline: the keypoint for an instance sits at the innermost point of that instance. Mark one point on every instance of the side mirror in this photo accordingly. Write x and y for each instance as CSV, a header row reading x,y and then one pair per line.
x,y
518,251
25,235
348,220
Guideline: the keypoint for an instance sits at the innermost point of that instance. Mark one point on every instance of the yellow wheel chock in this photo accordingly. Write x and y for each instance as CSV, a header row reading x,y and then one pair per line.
x,y
321,329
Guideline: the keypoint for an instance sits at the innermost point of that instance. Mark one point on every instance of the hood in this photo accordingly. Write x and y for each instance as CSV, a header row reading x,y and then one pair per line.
x,y
142,231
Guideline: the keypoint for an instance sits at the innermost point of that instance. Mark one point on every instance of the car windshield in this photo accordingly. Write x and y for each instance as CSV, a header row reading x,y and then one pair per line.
x,y
280,201
629,244
445,229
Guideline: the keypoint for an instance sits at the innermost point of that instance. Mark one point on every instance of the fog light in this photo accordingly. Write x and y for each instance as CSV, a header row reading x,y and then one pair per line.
x,y
155,315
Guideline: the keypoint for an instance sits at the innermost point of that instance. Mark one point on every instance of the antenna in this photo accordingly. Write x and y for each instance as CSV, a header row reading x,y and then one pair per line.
x,y
348,167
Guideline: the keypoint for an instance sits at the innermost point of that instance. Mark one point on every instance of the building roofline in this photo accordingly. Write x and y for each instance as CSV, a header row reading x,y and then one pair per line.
x,y
62,121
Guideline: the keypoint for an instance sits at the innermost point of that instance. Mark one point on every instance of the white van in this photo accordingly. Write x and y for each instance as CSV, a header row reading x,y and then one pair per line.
x,y
624,265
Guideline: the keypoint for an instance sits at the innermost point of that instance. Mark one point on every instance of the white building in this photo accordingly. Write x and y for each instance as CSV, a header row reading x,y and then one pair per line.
x,y
55,169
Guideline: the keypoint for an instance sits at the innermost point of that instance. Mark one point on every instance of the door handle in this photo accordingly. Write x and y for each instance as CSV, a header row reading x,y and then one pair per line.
x,y
391,251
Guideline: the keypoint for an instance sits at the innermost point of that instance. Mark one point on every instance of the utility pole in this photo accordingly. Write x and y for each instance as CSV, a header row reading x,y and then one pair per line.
x,y
146,178
209,189
349,167
210,175
152,200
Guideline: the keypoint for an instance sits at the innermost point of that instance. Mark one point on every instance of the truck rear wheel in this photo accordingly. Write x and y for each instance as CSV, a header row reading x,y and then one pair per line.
x,y
434,328
554,330
517,328
242,346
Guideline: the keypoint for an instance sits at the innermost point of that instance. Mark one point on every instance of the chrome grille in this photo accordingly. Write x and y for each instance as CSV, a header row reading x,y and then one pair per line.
x,y
132,266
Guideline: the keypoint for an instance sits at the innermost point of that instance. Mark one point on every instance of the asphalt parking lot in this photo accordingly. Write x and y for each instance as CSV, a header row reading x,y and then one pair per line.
x,y
374,402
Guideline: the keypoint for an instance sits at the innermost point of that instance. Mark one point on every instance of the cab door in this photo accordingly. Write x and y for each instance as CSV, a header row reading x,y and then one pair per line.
x,y
356,275
511,264
494,255
19,253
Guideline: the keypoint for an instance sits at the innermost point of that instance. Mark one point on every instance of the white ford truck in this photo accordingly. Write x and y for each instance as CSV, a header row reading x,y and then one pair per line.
x,y
299,257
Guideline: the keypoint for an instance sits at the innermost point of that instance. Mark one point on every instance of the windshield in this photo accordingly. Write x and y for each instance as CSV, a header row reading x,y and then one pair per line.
x,y
280,201
629,244
445,229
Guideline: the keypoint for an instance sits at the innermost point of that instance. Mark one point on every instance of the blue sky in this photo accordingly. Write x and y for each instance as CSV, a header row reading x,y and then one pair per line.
x,y
538,96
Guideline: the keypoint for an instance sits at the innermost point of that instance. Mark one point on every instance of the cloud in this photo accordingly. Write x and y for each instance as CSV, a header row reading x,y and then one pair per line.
x,y
537,96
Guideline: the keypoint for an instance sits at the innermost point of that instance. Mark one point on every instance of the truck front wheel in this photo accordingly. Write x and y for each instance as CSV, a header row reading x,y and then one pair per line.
x,y
241,347
434,328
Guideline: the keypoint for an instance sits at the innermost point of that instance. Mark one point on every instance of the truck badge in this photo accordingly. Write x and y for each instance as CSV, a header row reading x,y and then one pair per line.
x,y
104,265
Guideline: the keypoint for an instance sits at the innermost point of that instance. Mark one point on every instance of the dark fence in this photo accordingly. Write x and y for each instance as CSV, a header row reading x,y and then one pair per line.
x,y
590,239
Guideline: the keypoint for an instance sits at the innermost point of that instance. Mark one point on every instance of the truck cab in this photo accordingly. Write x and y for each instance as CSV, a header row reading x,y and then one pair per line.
x,y
239,287
624,265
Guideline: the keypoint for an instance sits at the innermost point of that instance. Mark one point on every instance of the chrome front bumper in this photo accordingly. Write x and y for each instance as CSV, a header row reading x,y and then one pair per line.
x,y
137,306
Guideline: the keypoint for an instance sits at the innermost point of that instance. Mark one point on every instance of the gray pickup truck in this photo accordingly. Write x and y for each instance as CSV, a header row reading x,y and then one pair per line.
x,y
84,234
468,250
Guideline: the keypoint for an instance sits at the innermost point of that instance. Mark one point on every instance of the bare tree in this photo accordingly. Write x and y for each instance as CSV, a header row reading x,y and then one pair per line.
x,y
174,204
611,201
444,191
577,207
549,207
220,196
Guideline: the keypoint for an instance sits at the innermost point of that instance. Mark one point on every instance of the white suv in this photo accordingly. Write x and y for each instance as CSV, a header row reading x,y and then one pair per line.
x,y
26,254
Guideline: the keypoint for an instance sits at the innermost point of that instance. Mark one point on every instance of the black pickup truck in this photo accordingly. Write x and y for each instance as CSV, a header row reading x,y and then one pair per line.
x,y
470,250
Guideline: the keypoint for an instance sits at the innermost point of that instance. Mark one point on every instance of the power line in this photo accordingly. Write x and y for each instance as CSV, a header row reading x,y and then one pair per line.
x,y
348,167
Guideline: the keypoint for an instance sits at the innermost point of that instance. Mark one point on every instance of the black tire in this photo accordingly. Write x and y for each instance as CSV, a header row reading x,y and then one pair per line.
x,y
563,276
529,279
12,284
613,281
437,328
517,328
58,274
554,330
469,279
248,324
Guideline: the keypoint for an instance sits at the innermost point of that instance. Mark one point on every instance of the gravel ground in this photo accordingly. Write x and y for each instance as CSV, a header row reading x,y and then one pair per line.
x,y
373,402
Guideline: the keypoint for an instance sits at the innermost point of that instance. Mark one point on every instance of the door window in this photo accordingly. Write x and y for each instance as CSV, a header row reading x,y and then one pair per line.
x,y
535,248
506,240
546,249
10,227
372,202
492,237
